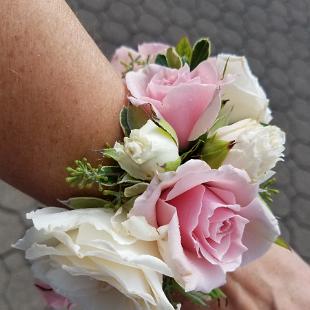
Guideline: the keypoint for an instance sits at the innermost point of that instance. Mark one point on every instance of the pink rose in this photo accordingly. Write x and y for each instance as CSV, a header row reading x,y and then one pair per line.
x,y
188,100
52,299
211,221
145,50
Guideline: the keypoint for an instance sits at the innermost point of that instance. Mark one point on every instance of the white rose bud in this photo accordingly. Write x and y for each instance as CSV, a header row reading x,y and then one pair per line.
x,y
257,148
146,151
247,98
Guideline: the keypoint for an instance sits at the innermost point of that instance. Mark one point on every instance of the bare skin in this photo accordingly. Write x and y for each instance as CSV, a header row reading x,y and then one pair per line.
x,y
59,96
280,280
59,99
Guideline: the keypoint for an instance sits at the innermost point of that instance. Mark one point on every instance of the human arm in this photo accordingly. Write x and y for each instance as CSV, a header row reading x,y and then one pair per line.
x,y
59,96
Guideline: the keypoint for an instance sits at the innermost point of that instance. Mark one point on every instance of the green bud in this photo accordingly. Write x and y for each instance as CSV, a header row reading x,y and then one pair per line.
x,y
215,151
173,165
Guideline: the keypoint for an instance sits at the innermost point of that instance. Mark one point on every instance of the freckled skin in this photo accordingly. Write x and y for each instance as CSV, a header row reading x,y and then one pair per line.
x,y
55,91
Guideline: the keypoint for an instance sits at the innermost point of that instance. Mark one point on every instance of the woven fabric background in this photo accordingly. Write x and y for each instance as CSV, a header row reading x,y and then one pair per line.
x,y
273,34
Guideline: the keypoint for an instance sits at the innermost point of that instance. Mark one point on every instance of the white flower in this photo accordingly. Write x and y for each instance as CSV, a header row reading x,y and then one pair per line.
x,y
90,257
257,148
146,151
247,98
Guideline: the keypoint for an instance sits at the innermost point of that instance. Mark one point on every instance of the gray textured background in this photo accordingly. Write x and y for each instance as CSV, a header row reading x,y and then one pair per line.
x,y
275,37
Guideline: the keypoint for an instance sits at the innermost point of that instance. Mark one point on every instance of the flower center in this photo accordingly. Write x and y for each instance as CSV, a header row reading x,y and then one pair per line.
x,y
137,148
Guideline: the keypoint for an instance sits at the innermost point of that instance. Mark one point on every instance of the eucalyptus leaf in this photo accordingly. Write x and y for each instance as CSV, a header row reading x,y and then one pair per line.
x,y
135,189
184,49
123,117
136,117
161,60
86,202
173,59
127,179
201,52
127,206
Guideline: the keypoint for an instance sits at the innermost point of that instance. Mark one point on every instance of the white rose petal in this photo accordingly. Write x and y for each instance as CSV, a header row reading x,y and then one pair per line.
x,y
257,148
146,151
247,98
90,257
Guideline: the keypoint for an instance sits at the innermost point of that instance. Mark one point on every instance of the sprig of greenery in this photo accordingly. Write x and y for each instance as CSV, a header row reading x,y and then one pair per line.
x,y
170,286
133,61
267,191
84,175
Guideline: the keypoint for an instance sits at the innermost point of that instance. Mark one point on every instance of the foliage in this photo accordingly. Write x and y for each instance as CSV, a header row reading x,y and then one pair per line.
x,y
267,191
170,286
133,62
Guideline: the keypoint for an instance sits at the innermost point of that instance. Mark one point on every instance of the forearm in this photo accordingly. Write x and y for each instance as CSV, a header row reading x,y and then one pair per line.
x,y
278,280
59,96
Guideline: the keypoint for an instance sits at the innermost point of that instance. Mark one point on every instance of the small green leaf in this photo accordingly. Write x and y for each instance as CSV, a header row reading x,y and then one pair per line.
x,y
123,116
165,126
161,60
110,153
127,206
135,189
215,151
173,59
86,202
221,121
267,190
173,165
127,179
282,243
136,117
217,293
201,52
184,49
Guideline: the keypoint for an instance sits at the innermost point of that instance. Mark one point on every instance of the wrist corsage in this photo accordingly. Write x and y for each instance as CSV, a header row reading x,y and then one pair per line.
x,y
185,198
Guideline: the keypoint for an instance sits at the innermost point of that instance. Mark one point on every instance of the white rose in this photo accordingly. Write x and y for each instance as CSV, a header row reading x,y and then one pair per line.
x,y
146,151
247,98
89,256
257,148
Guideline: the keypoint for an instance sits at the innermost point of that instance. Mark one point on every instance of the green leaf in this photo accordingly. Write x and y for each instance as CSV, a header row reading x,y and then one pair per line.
x,y
86,202
267,190
161,60
173,165
221,121
217,293
201,52
215,151
165,126
123,116
136,117
127,206
127,179
173,59
184,49
282,243
135,189
110,153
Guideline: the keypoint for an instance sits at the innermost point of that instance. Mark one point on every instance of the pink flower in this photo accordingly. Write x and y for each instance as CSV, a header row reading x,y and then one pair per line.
x,y
211,221
52,299
188,100
146,51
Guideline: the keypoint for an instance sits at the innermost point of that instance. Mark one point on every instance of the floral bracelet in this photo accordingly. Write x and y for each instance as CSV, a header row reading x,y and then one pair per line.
x,y
185,198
